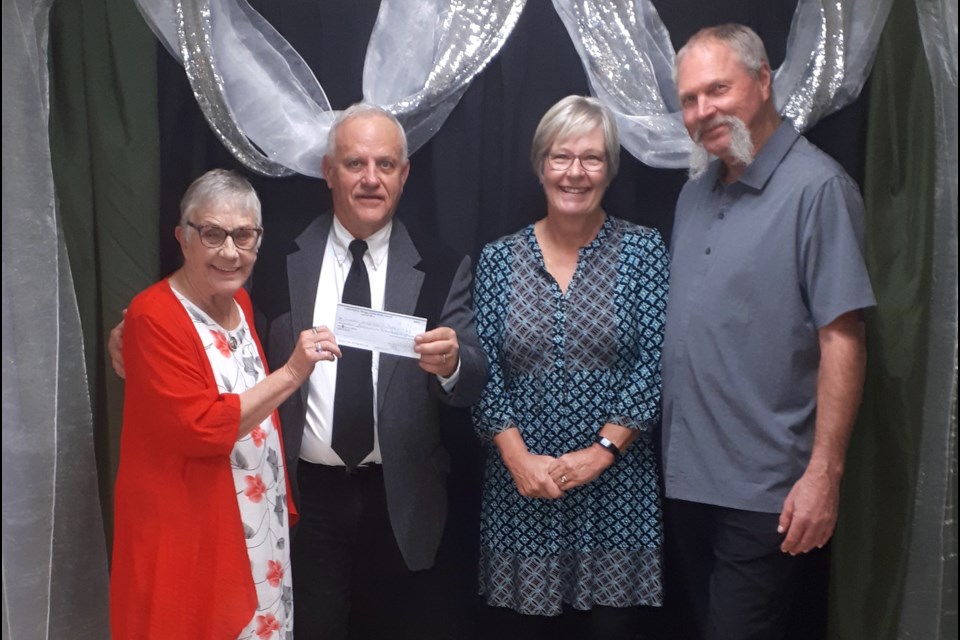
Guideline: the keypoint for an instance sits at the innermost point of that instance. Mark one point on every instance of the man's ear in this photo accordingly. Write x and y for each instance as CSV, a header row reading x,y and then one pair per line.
x,y
766,81
325,167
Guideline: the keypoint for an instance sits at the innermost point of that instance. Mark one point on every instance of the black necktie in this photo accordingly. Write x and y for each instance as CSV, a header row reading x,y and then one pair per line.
x,y
353,399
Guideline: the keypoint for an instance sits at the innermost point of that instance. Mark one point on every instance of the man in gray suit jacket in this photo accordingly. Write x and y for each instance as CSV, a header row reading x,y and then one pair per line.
x,y
370,528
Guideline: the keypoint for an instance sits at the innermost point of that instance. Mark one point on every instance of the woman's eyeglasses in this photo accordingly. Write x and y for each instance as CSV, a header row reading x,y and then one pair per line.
x,y
563,161
213,237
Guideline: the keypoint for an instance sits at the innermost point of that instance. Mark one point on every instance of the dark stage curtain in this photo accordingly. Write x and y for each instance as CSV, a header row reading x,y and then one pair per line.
x,y
472,183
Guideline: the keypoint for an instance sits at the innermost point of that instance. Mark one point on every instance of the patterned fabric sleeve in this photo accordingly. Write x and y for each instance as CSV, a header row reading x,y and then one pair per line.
x,y
644,272
492,413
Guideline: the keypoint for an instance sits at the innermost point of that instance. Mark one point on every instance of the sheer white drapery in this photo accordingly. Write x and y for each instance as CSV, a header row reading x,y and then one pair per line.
x,y
266,106
54,552
271,113
628,58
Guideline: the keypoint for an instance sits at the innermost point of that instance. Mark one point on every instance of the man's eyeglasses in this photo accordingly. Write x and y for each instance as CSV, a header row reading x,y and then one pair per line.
x,y
563,161
213,237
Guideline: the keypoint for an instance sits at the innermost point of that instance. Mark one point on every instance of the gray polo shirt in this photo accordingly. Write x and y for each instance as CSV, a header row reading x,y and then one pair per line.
x,y
758,266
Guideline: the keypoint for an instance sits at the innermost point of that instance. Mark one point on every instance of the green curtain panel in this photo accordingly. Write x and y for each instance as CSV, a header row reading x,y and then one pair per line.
x,y
870,549
54,556
105,146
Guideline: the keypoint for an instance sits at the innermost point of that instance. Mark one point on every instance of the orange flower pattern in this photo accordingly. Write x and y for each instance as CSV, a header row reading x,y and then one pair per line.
x,y
259,479
274,573
220,342
266,625
255,488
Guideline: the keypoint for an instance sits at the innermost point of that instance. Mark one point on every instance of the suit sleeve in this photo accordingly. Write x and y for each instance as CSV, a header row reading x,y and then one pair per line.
x,y
458,314
170,383
493,412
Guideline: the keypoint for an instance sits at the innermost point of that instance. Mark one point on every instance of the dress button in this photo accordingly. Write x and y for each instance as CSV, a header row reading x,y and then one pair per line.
x,y
722,215
707,251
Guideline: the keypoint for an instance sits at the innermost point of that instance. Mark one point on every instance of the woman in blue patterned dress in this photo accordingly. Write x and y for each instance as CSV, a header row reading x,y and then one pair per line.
x,y
570,312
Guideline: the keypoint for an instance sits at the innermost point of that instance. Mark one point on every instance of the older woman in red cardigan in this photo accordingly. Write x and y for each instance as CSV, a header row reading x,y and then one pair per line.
x,y
203,508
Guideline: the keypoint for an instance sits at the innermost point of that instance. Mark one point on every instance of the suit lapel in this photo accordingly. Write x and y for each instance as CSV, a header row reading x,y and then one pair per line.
x,y
402,290
303,274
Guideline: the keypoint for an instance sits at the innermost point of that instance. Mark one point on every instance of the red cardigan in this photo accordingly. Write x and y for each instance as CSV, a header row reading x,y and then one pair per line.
x,y
180,564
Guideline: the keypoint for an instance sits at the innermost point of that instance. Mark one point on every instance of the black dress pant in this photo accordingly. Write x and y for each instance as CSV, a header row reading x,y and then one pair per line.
x,y
740,585
349,578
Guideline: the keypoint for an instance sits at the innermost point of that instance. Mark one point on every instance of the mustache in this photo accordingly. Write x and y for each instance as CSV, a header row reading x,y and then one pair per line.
x,y
741,146
716,121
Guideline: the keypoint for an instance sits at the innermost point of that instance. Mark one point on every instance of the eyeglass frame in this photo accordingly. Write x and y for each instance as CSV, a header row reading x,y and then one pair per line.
x,y
576,158
258,233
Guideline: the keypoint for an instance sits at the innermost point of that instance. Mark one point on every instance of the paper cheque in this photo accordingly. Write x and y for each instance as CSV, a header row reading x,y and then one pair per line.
x,y
384,331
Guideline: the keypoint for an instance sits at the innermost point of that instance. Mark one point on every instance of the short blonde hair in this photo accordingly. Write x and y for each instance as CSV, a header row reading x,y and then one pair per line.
x,y
574,116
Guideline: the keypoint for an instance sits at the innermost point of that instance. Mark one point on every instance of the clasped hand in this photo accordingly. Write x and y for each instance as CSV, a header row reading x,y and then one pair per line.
x,y
543,476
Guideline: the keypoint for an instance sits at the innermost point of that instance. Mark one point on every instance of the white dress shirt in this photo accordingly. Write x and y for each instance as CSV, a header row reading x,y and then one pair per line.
x,y
318,432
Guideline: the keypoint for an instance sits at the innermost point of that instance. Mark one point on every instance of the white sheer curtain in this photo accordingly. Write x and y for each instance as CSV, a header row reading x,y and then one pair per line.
x,y
262,101
266,106
628,57
54,553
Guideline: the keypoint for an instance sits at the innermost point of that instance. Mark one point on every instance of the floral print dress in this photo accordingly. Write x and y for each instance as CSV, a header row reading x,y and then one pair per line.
x,y
258,476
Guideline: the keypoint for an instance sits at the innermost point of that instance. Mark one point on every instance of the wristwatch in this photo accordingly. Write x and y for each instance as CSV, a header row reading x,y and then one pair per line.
x,y
609,446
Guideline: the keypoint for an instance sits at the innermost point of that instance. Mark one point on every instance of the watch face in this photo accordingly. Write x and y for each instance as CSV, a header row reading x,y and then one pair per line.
x,y
609,446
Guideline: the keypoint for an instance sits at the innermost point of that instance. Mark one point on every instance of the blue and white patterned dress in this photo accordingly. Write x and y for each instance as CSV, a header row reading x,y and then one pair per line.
x,y
561,366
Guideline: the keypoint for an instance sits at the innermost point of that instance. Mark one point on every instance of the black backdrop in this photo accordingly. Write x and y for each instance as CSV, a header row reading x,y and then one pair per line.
x,y
472,182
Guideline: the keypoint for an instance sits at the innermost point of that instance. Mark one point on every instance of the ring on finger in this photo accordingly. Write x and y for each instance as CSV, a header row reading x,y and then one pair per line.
x,y
563,479
314,329
443,357
318,347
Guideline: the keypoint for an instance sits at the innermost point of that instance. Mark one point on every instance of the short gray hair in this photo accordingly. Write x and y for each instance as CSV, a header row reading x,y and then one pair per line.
x,y
575,116
216,187
740,39
361,110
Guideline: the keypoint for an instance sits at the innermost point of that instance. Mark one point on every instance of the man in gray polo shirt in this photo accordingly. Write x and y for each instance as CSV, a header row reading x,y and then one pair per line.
x,y
764,355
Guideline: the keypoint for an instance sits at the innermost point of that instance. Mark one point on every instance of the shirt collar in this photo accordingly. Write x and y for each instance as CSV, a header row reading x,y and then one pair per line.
x,y
771,154
378,244
605,229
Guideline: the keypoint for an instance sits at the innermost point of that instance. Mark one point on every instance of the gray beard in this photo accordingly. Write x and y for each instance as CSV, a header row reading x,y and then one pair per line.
x,y
741,146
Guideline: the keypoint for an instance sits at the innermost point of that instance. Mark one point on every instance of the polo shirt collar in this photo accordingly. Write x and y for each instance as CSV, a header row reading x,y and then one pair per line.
x,y
756,175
